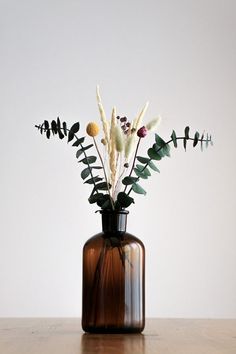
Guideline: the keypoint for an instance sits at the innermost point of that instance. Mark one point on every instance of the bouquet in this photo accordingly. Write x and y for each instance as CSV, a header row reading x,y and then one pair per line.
x,y
115,172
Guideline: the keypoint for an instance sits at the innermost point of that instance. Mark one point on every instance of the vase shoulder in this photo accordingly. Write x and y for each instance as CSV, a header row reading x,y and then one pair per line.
x,y
126,236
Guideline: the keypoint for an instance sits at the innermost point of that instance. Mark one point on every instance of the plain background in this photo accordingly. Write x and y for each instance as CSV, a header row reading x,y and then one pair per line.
x,y
179,55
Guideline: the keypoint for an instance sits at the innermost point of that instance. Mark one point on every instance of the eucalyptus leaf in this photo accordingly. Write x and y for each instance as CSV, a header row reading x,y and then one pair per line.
x,y
166,150
84,148
153,154
58,123
129,180
78,141
140,174
185,143
159,150
78,153
48,134
202,137
207,141
94,180
140,167
54,126
174,138
186,132
143,160
64,128
153,166
46,124
85,173
60,134
75,127
94,198
124,200
160,142
196,138
70,136
102,186
88,160
96,167
147,172
138,189
144,170
104,202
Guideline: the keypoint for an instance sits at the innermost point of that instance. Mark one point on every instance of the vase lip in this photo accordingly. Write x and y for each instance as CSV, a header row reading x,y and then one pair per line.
x,y
110,211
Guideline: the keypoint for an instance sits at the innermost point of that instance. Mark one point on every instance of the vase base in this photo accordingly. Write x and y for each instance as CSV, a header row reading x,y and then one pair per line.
x,y
105,330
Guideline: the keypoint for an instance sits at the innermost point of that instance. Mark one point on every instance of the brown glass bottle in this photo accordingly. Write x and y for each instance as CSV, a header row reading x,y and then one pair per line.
x,y
113,279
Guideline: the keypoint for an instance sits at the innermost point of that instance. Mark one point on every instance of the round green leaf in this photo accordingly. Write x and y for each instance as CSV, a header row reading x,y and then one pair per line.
x,y
94,198
143,160
129,180
78,153
160,142
88,160
153,166
153,154
124,200
102,186
138,189
140,174
75,127
94,180
85,173
78,141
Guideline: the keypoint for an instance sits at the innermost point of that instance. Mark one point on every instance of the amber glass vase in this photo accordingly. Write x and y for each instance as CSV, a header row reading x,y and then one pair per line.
x,y
113,278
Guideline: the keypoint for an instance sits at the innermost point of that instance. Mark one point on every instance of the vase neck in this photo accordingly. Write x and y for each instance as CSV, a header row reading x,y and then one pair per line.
x,y
114,221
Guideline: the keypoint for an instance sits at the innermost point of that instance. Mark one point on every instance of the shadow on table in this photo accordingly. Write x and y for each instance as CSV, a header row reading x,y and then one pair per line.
x,y
113,343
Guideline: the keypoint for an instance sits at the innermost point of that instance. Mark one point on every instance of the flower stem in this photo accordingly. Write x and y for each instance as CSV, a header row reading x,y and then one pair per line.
x,y
105,175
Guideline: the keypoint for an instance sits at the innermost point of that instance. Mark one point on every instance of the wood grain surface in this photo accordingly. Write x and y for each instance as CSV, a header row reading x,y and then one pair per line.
x,y
161,336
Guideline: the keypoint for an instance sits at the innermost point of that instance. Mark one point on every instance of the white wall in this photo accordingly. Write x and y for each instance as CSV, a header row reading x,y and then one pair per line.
x,y
181,56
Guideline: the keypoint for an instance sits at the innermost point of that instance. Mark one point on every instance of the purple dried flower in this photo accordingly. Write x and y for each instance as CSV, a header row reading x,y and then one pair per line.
x,y
142,132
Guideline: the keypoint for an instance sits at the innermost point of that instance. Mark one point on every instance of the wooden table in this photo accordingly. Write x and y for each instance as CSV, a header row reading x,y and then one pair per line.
x,y
161,336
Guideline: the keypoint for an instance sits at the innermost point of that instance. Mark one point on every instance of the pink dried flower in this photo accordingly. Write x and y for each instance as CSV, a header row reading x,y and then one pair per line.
x,y
142,132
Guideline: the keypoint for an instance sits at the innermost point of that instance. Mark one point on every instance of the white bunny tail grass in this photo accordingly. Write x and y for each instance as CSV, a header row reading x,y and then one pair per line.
x,y
112,155
153,124
119,139
130,146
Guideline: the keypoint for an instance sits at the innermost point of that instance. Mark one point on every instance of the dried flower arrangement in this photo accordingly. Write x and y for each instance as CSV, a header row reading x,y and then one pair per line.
x,y
121,165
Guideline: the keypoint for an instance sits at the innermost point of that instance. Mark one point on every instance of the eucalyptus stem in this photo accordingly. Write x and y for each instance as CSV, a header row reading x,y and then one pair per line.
x,y
105,175
84,152
168,142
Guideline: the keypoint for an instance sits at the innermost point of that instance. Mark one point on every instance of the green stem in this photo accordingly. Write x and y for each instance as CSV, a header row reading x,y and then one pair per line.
x,y
168,142
85,155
